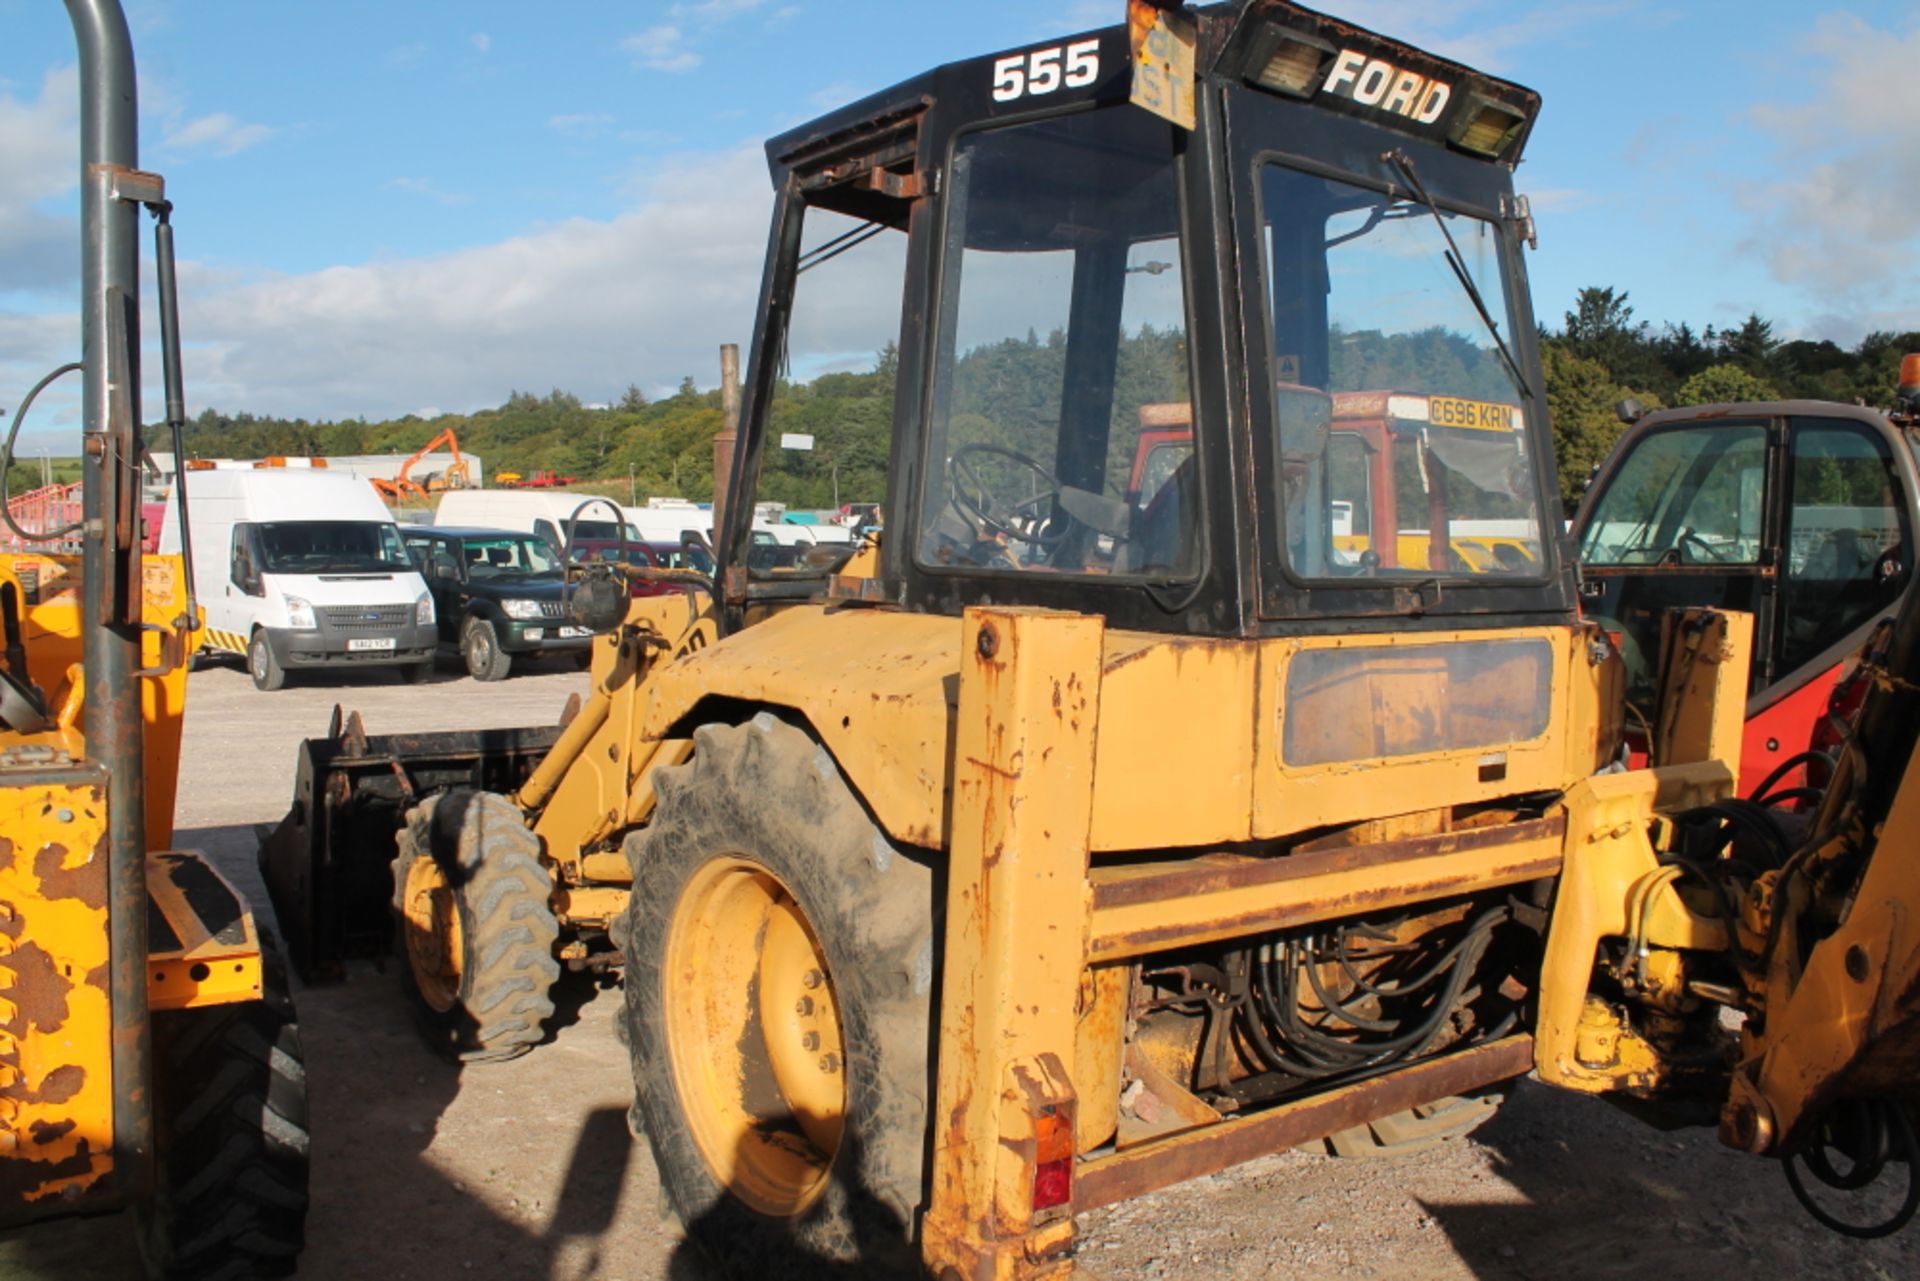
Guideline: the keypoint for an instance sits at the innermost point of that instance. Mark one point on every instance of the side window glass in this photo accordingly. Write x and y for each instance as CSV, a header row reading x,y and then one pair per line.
x,y
1349,497
419,551
1691,496
1847,541
547,530
244,574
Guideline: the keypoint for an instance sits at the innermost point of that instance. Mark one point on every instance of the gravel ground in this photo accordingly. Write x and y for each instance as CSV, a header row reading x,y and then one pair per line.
x,y
423,1171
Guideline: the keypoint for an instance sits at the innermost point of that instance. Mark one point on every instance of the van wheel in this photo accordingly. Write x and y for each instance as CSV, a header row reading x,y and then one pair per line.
x,y
480,646
262,665
778,991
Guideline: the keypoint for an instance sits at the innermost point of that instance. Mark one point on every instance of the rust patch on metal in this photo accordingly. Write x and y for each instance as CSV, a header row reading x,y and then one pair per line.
x,y
39,991
83,883
6,853
45,1132
1213,1148
21,1177
57,1087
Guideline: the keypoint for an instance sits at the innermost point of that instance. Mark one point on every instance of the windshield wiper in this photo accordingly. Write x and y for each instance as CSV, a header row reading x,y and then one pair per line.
x,y
1402,162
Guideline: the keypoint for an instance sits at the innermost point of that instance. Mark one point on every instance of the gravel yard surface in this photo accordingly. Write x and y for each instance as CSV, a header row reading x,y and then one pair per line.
x,y
424,1171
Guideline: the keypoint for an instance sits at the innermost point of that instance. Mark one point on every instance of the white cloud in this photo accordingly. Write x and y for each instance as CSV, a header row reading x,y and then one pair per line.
x,y
1841,223
425,187
581,125
481,41
646,297
661,48
219,133
39,156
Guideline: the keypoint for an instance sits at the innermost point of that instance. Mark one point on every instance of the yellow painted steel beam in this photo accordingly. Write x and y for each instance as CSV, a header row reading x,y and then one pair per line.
x,y
202,945
1018,903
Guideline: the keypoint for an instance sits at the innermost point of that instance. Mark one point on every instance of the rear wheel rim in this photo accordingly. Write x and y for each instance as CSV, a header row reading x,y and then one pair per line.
x,y
435,942
754,1036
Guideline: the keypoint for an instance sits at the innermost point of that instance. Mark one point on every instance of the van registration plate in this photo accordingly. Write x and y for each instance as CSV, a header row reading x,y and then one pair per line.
x,y
362,644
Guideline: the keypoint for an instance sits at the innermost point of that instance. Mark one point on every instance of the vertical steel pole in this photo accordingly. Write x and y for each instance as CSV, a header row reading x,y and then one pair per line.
x,y
724,440
110,350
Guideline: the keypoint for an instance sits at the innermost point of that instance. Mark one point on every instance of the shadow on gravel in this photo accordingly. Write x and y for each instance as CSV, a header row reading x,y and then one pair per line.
x,y
1607,1197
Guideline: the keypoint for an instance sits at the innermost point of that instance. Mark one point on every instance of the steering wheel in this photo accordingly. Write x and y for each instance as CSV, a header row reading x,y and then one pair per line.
x,y
1708,551
1030,521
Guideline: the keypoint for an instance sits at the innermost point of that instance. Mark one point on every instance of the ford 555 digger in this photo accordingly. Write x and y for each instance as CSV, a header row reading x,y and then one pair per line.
x,y
1094,830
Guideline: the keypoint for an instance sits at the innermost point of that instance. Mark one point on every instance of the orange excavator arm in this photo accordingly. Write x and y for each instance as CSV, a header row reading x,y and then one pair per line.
x,y
454,477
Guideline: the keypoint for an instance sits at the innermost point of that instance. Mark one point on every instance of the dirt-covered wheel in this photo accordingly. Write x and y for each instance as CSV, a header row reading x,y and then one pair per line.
x,y
231,1119
779,953
473,926
1419,1128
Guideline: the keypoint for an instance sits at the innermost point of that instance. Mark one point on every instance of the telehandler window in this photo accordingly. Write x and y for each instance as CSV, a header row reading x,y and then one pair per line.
x,y
1370,316
1062,347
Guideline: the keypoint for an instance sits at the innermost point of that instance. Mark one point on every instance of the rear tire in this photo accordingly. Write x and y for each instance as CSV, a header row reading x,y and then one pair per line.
x,y
232,1138
480,646
262,665
759,837
473,926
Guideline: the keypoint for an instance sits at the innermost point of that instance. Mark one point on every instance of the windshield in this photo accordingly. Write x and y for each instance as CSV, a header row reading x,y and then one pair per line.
x,y
1688,495
508,556
331,547
1424,468
1063,356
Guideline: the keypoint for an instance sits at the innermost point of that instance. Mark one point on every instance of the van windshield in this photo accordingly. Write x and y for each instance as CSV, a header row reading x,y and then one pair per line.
x,y
332,547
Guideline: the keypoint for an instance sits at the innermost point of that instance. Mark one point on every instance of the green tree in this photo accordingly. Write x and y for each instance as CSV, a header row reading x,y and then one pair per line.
x,y
1724,384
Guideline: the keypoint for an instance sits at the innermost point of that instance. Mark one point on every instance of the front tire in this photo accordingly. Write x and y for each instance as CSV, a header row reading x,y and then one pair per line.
x,y
232,1136
262,665
474,928
480,646
779,956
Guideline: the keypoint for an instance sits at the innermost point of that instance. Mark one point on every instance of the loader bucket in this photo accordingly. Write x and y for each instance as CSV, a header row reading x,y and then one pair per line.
x,y
327,865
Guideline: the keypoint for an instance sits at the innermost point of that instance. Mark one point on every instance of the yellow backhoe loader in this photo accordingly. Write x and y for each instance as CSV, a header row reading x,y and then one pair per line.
x,y
1086,833
149,1058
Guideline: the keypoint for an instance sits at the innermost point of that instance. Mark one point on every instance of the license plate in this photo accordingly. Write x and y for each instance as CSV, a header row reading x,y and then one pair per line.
x,y
364,644
571,633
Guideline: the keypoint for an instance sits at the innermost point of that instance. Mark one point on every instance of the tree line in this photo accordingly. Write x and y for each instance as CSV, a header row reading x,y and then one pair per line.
x,y
1600,355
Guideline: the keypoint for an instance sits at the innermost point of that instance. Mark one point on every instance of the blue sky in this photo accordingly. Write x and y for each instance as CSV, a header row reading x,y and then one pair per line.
x,y
406,208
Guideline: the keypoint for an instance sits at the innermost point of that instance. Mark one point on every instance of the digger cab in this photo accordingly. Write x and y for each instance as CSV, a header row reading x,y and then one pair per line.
x,y
1123,365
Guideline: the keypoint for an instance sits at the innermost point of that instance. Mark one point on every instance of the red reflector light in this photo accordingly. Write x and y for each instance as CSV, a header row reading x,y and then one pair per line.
x,y
1052,1157
1053,1183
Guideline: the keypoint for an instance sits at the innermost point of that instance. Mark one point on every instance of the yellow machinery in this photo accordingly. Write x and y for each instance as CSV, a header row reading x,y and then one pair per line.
x,y
1084,836
148,1054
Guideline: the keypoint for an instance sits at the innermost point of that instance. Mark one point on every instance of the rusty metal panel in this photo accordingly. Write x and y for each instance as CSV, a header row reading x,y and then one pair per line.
x,y
1192,1153
1149,907
1324,789
56,1079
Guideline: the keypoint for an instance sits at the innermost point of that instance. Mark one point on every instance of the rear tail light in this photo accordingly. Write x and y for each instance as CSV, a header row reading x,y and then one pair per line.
x,y
1053,1157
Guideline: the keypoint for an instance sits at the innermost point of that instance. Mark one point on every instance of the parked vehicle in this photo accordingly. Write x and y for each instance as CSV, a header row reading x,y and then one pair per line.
x,y
690,555
302,569
497,593
549,515
1801,512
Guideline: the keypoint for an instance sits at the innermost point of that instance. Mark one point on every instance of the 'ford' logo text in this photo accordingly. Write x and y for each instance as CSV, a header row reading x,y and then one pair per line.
x,y
369,618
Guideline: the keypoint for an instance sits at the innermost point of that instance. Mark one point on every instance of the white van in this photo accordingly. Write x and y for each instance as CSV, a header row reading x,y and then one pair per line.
x,y
300,569
544,514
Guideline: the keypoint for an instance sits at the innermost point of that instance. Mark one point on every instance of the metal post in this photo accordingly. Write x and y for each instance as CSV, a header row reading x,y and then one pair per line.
x,y
1018,907
110,318
728,434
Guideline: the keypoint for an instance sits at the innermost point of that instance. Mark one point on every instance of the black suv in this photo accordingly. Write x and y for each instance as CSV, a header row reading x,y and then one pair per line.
x,y
497,594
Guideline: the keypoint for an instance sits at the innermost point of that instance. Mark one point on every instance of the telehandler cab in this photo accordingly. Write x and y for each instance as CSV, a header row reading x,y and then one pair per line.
x,y
1083,834
149,1057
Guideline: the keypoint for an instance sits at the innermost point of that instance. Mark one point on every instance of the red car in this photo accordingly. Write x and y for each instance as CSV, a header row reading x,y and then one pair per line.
x,y
647,555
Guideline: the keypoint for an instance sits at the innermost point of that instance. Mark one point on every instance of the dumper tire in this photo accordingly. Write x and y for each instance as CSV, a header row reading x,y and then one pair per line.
x,y
1420,1128
262,665
766,804
480,647
480,856
231,1138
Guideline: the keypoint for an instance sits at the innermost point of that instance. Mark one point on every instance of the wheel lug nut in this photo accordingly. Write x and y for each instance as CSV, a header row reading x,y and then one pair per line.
x,y
829,1062
812,978
811,1041
804,1006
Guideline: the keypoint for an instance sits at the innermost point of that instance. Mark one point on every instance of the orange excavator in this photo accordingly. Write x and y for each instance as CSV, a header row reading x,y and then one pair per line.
x,y
457,475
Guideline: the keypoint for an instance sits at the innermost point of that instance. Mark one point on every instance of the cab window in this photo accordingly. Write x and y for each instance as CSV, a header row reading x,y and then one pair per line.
x,y
1685,496
1062,424
1847,537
